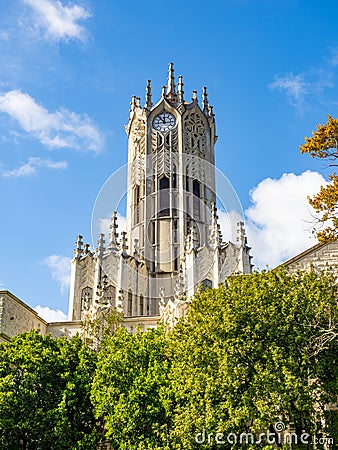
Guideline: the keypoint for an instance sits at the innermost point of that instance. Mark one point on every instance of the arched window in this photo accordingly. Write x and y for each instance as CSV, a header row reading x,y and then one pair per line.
x,y
206,284
164,196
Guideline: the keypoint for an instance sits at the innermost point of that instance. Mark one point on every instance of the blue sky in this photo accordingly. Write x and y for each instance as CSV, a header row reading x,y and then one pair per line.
x,y
67,72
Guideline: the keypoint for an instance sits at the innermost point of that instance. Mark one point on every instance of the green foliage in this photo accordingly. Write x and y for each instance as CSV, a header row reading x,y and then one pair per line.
x,y
128,389
260,350
247,357
45,393
96,329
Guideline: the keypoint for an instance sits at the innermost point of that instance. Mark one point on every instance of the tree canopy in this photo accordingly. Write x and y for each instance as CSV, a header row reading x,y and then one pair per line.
x,y
259,352
323,144
45,394
249,354
248,357
128,389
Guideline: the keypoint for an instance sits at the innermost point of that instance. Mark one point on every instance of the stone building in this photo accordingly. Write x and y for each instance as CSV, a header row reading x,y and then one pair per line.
x,y
172,244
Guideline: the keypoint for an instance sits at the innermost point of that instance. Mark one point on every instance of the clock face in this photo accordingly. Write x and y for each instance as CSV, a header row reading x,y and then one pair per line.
x,y
164,122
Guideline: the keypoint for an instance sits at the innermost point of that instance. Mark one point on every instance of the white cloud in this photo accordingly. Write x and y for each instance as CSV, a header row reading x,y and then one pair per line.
x,y
59,129
4,36
51,315
280,220
58,21
294,86
60,269
31,167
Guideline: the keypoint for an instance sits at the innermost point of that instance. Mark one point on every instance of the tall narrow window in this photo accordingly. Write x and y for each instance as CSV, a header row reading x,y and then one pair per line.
x,y
148,307
175,232
196,202
174,178
136,204
175,259
141,306
164,196
152,232
130,304
187,179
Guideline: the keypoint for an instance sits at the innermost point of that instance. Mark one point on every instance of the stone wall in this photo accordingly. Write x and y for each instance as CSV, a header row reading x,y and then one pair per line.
x,y
16,317
319,257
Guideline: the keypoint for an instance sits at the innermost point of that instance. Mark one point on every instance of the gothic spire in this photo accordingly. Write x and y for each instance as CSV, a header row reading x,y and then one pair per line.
x,y
205,101
124,241
78,247
171,89
215,233
241,236
191,240
149,103
113,242
101,247
180,90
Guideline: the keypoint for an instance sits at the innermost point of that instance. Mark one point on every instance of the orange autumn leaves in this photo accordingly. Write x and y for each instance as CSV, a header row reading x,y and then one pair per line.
x,y
324,144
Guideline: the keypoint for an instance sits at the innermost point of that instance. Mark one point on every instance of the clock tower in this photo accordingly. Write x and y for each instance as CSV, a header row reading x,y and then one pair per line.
x,y
171,175
172,242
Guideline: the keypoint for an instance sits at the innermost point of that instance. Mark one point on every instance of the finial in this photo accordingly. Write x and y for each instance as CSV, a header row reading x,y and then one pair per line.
x,y
164,90
124,241
241,238
205,101
214,211
162,291
180,90
192,238
149,103
78,247
86,249
171,89
113,242
179,287
136,247
104,283
211,111
138,102
215,233
194,96
132,103
220,236
101,247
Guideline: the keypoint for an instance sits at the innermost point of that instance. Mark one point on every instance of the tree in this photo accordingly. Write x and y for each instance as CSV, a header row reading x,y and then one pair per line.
x,y
128,389
247,357
323,144
45,394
